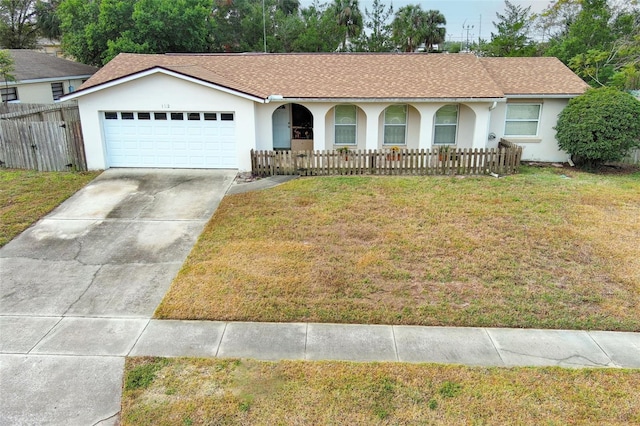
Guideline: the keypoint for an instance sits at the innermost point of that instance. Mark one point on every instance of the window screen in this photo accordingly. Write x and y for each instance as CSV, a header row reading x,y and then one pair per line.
x,y
345,124
522,119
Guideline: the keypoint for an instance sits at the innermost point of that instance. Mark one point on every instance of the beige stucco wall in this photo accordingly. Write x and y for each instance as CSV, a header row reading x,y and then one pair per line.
x,y
254,119
466,121
40,93
144,94
543,146
361,130
370,130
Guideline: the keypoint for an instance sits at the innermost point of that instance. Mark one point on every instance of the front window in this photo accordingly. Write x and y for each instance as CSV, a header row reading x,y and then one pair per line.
x,y
395,125
345,124
57,90
446,125
522,119
9,94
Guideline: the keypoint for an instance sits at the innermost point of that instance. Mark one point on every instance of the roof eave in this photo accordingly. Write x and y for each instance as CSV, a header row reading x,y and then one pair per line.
x,y
393,100
48,79
542,95
161,70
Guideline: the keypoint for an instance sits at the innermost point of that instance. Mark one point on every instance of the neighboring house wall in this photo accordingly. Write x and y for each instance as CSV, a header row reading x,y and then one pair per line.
x,y
162,93
41,92
541,147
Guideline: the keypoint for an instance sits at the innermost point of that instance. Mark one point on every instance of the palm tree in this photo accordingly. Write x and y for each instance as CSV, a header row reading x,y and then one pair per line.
x,y
434,30
408,27
348,15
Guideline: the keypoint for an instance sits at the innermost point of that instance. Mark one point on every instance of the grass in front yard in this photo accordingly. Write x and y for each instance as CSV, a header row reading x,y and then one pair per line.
x,y
244,392
26,196
546,249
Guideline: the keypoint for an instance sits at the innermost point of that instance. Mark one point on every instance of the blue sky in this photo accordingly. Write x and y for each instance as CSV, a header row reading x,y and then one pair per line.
x,y
461,12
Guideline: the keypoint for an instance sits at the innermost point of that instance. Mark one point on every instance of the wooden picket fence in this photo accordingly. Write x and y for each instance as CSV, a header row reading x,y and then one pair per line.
x,y
502,160
632,157
42,137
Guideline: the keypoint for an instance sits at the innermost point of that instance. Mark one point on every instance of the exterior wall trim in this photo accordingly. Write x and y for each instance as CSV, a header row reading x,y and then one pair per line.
x,y
542,96
47,79
159,70
392,100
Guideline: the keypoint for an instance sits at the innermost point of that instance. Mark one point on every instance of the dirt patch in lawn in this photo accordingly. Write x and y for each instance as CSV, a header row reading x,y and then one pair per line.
x,y
547,248
26,196
244,392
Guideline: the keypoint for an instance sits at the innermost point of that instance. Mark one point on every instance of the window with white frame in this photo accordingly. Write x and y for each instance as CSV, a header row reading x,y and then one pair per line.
x,y
395,125
9,94
346,124
522,119
57,90
446,125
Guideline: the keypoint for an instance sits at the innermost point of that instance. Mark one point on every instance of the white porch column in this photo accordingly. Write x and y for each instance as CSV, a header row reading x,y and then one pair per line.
x,y
372,112
427,112
319,112
481,128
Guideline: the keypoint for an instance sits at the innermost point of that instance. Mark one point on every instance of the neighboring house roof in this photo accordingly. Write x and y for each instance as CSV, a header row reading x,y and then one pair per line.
x,y
346,75
33,65
525,76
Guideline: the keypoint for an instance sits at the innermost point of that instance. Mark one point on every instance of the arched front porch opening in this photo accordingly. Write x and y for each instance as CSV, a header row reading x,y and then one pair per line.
x,y
292,128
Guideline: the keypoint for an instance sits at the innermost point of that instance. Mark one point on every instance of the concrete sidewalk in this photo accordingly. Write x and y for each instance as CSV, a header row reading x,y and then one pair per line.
x,y
79,287
500,347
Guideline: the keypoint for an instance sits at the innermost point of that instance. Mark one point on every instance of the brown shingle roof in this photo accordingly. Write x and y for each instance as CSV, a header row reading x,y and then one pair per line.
x,y
329,75
32,65
539,76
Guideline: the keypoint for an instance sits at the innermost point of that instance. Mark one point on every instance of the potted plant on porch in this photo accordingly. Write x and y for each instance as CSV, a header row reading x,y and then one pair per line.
x,y
394,154
344,152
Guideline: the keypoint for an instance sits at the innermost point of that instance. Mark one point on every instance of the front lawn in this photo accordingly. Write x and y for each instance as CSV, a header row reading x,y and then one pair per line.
x,y
26,196
544,249
243,392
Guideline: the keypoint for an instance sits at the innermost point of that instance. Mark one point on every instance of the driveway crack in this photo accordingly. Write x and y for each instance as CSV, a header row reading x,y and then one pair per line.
x,y
93,278
113,416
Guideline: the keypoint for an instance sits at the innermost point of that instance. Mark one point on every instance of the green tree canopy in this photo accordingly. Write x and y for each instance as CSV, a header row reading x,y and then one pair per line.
x,y
600,126
348,16
320,31
513,36
377,22
590,30
413,26
160,26
434,30
18,24
408,27
47,20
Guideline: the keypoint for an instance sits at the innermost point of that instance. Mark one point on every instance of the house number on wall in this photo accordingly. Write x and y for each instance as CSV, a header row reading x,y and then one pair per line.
x,y
166,106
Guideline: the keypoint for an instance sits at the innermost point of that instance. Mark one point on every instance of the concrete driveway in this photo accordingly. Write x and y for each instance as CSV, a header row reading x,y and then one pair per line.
x,y
79,287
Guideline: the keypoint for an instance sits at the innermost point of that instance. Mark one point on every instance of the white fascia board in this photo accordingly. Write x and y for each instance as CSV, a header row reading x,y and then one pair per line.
x,y
152,71
48,79
539,96
392,100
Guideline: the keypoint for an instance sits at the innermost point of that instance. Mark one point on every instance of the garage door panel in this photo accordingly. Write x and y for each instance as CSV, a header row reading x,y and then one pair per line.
x,y
153,142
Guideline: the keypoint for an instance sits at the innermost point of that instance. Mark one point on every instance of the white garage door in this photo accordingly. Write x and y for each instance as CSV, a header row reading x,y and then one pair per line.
x,y
170,139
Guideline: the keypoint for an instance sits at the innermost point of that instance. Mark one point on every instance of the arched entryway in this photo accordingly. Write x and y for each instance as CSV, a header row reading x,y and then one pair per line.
x,y
292,128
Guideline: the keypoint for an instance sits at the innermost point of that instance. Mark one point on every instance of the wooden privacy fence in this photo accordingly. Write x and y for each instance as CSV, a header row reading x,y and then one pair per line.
x,y
42,137
501,160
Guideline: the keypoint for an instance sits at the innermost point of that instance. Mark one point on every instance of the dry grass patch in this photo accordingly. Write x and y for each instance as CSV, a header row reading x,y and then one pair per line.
x,y
538,249
244,392
26,196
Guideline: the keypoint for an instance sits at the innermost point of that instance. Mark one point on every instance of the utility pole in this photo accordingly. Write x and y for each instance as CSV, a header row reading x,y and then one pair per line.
x,y
264,27
466,28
